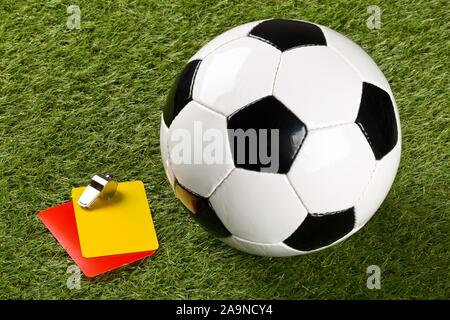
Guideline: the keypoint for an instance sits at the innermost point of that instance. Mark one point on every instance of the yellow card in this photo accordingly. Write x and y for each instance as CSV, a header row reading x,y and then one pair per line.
x,y
122,224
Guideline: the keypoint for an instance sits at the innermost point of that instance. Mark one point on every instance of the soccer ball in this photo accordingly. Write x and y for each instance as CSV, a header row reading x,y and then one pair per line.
x,y
336,130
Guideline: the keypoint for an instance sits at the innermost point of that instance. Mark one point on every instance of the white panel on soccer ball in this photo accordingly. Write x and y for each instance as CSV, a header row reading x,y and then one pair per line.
x,y
236,74
220,40
163,131
356,56
378,187
199,149
264,209
261,249
332,168
319,86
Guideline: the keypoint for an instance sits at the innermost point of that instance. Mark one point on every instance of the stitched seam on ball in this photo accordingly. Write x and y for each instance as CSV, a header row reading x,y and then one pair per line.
x,y
166,143
276,73
366,135
264,243
296,193
329,213
220,46
365,191
266,41
299,148
221,182
368,183
222,115
204,106
332,126
304,46
191,89
358,72
347,61
282,51
247,105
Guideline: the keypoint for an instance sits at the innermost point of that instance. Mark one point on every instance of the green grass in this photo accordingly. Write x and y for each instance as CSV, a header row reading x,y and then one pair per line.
x,y
75,103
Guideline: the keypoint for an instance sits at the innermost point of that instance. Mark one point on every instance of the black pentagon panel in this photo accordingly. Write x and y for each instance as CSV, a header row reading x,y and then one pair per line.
x,y
181,92
376,119
202,212
256,146
319,230
288,34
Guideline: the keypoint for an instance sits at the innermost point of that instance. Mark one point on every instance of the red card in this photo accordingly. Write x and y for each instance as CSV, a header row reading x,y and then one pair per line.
x,y
61,222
